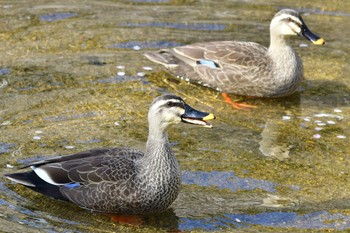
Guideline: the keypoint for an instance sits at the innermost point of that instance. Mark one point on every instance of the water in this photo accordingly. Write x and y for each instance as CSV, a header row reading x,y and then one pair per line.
x,y
73,78
56,16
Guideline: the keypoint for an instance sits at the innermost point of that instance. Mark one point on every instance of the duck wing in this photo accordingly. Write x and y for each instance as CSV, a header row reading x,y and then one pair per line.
x,y
222,53
104,183
233,67
241,68
87,167
64,177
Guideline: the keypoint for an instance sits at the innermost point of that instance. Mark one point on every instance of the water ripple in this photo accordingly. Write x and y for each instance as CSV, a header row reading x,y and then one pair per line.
x,y
226,180
187,26
150,1
313,220
323,12
119,79
144,44
4,71
6,147
70,117
56,16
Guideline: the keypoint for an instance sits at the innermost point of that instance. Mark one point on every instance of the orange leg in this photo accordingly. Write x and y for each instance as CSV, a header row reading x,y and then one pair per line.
x,y
132,220
237,105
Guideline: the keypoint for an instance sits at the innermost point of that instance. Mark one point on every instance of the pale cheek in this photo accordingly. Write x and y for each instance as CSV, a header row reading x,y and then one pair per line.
x,y
173,119
287,31
296,29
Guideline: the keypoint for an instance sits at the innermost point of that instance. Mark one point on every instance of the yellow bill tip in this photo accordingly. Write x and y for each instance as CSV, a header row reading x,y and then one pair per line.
x,y
210,116
320,41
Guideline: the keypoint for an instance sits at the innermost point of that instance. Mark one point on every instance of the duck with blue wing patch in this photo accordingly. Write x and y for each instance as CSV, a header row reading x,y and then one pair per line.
x,y
120,180
244,68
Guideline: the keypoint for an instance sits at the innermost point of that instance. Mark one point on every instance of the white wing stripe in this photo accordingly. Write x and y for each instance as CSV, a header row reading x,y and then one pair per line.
x,y
45,176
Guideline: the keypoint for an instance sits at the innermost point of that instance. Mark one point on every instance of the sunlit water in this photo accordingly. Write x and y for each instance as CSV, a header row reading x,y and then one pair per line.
x,y
72,78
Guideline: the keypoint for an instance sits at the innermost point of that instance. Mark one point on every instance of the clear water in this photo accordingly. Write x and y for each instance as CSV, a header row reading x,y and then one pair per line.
x,y
72,78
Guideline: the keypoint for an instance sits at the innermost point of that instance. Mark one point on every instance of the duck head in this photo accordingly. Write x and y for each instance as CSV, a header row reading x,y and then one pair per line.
x,y
171,109
288,22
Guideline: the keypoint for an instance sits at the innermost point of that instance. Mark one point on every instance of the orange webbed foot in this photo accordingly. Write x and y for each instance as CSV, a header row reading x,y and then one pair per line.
x,y
240,106
132,220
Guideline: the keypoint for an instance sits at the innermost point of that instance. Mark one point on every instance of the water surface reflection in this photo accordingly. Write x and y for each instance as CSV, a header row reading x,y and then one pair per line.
x,y
74,78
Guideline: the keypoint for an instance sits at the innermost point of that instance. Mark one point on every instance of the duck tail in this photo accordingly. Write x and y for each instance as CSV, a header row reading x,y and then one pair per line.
x,y
163,57
34,182
24,178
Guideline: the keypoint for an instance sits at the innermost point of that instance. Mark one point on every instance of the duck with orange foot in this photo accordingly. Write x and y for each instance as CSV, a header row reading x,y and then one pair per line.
x,y
120,181
244,68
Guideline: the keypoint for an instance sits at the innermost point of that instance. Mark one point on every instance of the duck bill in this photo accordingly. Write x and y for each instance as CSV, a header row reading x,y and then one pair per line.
x,y
309,35
195,117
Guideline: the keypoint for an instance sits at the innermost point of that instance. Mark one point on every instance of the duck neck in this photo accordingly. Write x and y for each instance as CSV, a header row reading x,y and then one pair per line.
x,y
157,140
278,41
158,158
157,145
280,50
287,66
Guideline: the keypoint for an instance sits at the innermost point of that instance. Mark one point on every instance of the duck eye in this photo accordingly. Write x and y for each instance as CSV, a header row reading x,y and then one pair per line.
x,y
289,19
170,104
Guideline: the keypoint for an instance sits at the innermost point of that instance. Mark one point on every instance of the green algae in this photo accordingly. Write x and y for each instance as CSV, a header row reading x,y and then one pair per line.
x,y
54,87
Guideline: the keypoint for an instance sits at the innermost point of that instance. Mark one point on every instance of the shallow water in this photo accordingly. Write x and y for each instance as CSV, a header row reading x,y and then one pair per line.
x,y
72,78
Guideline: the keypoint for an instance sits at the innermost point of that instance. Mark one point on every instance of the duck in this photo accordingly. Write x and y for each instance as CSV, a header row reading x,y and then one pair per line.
x,y
243,68
120,180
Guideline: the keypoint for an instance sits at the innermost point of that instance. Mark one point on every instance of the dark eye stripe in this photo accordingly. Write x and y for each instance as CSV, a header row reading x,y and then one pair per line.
x,y
289,19
171,104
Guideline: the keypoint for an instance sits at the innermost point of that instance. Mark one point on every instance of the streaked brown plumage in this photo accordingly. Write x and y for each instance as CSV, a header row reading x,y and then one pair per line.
x,y
120,180
243,68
